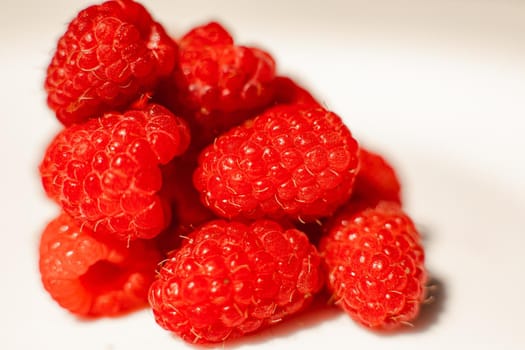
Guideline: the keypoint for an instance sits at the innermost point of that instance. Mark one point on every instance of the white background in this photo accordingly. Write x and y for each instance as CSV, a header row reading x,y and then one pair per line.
x,y
436,86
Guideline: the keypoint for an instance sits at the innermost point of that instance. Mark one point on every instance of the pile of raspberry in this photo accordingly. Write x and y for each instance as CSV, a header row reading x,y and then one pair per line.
x,y
194,179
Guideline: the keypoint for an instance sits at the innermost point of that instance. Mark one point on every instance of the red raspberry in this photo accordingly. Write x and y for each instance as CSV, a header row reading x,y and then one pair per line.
x,y
105,172
224,78
295,161
212,33
109,55
230,278
376,179
219,86
287,91
375,264
91,276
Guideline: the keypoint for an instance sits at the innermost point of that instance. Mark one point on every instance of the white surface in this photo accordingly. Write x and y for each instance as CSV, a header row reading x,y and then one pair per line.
x,y
437,86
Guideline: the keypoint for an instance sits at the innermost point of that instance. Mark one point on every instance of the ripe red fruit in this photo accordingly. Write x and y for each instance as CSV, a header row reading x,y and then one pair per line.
x,y
296,161
92,276
109,55
230,278
105,172
376,179
288,91
224,78
217,84
375,264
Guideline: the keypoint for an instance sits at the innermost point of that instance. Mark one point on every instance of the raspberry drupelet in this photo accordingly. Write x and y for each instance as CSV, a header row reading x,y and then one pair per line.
x,y
209,34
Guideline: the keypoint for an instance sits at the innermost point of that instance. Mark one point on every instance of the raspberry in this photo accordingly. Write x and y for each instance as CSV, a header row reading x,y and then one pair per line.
x,y
217,84
230,278
91,276
224,78
109,55
294,161
375,264
376,179
105,172
287,91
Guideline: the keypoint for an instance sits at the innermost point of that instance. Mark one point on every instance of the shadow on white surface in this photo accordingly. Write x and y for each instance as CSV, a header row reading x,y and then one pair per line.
x,y
320,313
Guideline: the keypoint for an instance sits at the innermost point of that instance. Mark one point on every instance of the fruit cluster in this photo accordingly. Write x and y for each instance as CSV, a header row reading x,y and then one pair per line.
x,y
195,179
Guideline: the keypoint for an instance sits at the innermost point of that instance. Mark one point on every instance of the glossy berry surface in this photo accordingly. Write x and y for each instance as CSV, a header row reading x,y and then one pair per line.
x,y
105,172
224,78
376,179
230,278
291,161
109,55
209,34
375,264
94,277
